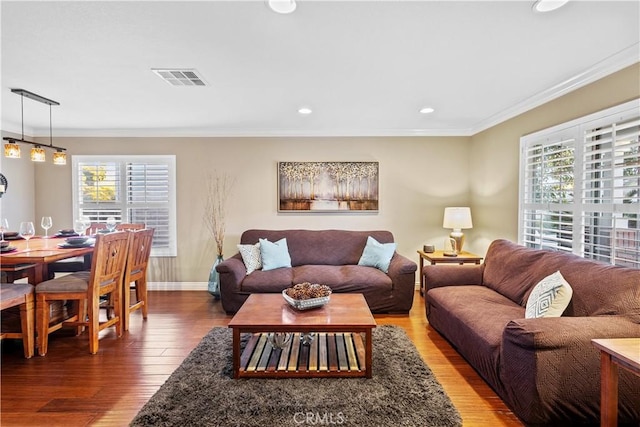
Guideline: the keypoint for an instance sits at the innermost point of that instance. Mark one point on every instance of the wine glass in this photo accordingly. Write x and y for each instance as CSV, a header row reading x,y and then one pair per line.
x,y
111,224
27,231
46,223
79,227
4,226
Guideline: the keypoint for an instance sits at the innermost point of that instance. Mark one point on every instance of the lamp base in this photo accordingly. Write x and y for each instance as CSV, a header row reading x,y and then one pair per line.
x,y
458,237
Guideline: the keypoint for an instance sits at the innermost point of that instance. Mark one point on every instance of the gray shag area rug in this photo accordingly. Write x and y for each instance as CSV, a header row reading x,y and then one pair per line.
x,y
202,392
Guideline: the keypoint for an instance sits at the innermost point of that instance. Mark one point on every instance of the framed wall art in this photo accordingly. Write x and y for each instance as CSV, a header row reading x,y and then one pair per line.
x,y
328,186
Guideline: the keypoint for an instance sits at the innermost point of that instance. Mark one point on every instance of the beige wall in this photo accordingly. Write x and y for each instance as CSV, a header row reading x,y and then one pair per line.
x,y
419,176
494,153
416,183
18,203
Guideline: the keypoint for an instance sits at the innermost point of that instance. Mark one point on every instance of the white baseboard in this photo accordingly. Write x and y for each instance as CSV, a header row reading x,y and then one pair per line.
x,y
177,286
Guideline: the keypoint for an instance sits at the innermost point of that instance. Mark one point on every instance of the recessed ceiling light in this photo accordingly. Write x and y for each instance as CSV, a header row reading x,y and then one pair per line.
x,y
548,5
282,6
427,110
305,110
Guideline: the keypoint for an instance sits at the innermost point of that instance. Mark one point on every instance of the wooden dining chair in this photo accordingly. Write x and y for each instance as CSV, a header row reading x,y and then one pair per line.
x,y
136,274
21,295
73,265
84,289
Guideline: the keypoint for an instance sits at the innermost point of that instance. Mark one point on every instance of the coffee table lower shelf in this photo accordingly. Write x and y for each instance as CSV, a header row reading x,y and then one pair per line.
x,y
328,355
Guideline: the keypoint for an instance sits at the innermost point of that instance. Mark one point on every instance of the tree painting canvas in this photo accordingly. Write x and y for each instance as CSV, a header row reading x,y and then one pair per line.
x,y
327,186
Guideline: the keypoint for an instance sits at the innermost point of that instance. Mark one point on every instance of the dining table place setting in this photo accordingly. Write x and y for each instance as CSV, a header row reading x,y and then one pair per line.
x,y
77,242
5,247
65,233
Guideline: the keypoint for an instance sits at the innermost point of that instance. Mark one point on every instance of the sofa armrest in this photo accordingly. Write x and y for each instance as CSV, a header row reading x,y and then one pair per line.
x,y
400,264
402,272
232,271
436,276
549,367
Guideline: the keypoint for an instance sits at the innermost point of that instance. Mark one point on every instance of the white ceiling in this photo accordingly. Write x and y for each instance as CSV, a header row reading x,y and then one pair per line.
x,y
363,67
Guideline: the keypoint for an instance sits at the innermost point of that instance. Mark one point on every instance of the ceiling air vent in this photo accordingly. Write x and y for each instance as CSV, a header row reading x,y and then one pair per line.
x,y
189,77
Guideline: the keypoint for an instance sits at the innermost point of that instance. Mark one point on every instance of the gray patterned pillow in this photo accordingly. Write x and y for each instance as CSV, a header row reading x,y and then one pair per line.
x,y
251,257
549,298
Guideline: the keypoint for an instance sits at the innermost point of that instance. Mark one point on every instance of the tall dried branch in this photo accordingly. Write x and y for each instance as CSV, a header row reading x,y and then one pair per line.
x,y
218,189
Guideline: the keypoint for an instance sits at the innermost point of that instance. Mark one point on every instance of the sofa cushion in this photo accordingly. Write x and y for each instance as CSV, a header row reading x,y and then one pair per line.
x,y
549,298
473,319
251,257
341,278
513,270
274,254
267,281
376,254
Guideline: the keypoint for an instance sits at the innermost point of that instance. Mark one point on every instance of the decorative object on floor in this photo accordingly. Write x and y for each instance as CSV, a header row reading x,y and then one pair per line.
x,y
213,286
218,188
327,186
403,391
457,219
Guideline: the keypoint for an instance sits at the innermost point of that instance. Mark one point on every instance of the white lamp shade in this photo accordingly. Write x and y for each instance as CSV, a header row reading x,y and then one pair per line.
x,y
457,218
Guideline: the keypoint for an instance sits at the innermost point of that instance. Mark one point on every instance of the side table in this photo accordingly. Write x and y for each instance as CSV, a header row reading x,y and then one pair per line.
x,y
614,353
438,257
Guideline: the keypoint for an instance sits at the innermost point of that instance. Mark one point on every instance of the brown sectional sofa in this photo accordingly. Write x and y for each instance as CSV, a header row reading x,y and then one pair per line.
x,y
328,257
545,369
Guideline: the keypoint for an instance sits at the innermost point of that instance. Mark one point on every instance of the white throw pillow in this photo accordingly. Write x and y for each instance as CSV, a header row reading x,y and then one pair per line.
x,y
251,257
549,298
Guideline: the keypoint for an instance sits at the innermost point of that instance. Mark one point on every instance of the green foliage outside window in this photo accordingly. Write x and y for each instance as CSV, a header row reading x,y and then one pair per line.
x,y
97,185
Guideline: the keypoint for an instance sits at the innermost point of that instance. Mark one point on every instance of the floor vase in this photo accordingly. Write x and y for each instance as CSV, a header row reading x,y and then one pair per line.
x,y
214,279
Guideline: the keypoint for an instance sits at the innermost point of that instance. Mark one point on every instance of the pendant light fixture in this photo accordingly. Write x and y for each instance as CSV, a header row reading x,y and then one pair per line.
x,y
11,147
37,154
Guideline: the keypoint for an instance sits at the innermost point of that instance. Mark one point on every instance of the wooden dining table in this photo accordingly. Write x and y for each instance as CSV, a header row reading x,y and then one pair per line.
x,y
41,252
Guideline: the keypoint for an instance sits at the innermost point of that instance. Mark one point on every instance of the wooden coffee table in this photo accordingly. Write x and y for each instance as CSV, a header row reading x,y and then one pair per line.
x,y
337,349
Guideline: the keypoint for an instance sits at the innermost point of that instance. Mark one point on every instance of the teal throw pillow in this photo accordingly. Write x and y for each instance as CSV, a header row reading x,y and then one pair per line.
x,y
377,254
274,255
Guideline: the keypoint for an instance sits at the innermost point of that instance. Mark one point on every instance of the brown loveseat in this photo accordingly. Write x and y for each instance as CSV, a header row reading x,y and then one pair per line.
x,y
328,257
545,369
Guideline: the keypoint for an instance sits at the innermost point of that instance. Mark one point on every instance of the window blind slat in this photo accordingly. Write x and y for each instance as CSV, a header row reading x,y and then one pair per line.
x,y
596,180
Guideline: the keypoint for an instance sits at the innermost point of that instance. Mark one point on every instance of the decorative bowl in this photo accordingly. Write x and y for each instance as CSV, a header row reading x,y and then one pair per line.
x,y
305,304
4,244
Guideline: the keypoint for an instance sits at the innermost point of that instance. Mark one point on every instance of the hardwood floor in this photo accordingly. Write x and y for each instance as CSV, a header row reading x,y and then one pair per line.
x,y
69,387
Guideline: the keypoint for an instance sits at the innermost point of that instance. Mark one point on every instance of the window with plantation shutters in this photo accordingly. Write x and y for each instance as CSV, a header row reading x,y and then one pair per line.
x,y
132,189
580,187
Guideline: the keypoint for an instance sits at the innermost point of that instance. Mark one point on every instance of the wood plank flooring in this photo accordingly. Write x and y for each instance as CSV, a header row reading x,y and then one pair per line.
x,y
69,387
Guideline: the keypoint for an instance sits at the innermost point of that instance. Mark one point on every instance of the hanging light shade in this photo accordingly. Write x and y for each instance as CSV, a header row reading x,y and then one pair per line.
x,y
59,158
37,154
12,150
11,147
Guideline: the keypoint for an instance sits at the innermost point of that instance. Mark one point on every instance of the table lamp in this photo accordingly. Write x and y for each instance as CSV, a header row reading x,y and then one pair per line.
x,y
457,218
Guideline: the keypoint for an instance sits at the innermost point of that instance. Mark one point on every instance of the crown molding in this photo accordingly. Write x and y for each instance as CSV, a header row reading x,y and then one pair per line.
x,y
610,65
264,133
